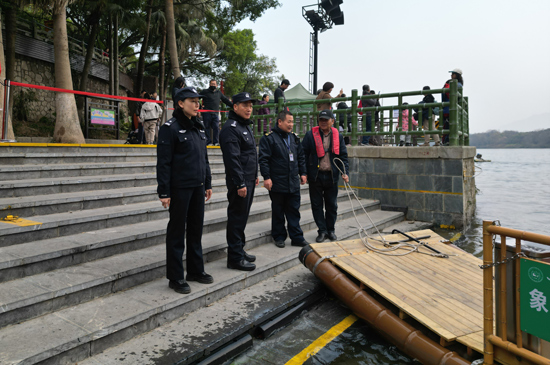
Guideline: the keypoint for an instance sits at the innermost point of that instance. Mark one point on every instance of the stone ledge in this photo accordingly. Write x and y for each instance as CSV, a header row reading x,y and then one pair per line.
x,y
450,153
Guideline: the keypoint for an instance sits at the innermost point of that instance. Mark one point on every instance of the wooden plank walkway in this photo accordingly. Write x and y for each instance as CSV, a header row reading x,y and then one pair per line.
x,y
444,294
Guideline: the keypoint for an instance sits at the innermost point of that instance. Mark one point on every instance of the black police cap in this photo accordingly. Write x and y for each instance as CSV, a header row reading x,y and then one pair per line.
x,y
242,97
186,92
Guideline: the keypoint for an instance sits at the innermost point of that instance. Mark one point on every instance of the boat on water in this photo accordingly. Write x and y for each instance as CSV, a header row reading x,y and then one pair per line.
x,y
479,158
435,302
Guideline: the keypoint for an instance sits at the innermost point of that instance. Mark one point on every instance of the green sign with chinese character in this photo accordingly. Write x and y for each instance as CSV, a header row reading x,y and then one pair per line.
x,y
535,298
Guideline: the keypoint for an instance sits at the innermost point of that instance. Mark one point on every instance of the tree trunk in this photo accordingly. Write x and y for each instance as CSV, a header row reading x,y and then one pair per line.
x,y
67,128
162,55
171,38
143,51
116,74
9,69
94,21
110,46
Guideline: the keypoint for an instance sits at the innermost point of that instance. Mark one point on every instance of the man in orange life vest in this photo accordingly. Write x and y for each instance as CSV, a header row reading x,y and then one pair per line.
x,y
322,145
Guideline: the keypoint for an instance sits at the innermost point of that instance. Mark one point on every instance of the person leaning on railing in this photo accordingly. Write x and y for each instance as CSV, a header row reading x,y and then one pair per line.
x,y
325,94
456,74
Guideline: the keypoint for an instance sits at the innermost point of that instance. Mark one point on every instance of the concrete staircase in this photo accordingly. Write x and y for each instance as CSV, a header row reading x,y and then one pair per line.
x,y
89,274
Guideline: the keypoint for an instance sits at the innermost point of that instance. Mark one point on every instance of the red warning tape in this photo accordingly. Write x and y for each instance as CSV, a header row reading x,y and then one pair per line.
x,y
83,92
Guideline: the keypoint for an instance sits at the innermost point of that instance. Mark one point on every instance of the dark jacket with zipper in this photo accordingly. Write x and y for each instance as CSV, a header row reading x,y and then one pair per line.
x,y
275,149
312,161
211,99
182,160
239,151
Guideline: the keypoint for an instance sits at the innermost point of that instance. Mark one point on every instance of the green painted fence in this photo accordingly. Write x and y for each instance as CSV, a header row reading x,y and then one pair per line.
x,y
390,124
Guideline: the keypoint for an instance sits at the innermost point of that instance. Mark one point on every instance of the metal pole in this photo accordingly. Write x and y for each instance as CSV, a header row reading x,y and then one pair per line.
x,y
315,41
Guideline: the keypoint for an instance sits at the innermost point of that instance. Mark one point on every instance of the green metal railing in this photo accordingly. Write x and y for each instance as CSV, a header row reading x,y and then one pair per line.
x,y
390,124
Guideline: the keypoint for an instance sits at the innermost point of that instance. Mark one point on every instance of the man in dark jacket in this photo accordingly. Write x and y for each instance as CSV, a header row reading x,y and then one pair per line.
x,y
241,176
184,180
280,93
211,101
322,146
283,167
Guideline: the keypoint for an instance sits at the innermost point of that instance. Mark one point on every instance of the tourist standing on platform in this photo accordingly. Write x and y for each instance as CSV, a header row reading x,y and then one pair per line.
x,y
322,146
264,111
367,117
184,181
211,102
241,176
428,119
179,83
342,117
283,167
280,93
405,140
325,94
456,74
149,116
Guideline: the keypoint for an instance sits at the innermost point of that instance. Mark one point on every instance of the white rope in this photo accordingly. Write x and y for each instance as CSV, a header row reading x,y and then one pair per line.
x,y
364,235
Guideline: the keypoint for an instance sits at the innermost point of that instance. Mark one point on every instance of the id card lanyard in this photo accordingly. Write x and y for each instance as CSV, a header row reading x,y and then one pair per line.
x,y
290,154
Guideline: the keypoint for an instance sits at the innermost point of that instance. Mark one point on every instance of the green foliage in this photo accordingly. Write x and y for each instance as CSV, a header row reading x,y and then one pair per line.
x,y
511,139
242,68
21,103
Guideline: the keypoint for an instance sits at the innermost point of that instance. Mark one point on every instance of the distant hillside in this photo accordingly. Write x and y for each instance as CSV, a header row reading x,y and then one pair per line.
x,y
511,139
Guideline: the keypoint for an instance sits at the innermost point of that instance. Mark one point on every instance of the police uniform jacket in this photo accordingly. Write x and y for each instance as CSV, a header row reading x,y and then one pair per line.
x,y
182,161
239,151
275,149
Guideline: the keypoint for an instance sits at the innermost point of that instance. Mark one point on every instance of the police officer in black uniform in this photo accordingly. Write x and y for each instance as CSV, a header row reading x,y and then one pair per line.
x,y
184,181
241,176
283,167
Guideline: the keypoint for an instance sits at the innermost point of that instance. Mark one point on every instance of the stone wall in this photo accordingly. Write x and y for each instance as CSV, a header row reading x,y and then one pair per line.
x,y
33,71
436,184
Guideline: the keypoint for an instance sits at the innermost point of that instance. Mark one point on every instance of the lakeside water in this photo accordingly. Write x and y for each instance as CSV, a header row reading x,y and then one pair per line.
x,y
513,188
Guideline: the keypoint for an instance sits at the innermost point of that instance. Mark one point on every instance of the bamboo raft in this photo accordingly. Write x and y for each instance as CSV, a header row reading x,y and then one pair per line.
x,y
443,294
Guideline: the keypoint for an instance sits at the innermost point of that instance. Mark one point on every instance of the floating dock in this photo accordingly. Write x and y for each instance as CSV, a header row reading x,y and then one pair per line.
x,y
443,294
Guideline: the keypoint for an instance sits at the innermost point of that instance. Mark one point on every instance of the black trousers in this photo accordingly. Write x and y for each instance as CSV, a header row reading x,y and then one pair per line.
x,y
186,217
211,121
324,191
286,205
237,216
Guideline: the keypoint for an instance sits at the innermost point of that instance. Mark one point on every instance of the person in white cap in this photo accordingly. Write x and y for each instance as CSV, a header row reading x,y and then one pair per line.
x,y
456,74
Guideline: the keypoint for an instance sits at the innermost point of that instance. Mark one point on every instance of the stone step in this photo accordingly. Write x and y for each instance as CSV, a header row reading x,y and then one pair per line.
x,y
30,206
69,223
35,295
73,334
26,259
188,339
72,158
51,174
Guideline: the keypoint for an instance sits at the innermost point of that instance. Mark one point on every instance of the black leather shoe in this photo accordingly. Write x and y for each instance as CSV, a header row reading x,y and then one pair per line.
x,y
243,265
331,236
249,258
300,244
202,278
321,237
179,286
280,244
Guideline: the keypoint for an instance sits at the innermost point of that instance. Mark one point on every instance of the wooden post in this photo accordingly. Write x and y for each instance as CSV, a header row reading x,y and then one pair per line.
x,y
488,355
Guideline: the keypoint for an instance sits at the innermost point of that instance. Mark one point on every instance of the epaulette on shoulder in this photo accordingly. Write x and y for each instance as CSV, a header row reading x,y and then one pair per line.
x,y
169,122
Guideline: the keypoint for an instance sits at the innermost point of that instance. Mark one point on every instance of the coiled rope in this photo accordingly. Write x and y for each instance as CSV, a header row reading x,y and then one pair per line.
x,y
387,249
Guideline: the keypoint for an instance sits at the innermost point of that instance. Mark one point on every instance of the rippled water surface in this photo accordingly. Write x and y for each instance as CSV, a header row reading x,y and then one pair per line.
x,y
513,188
